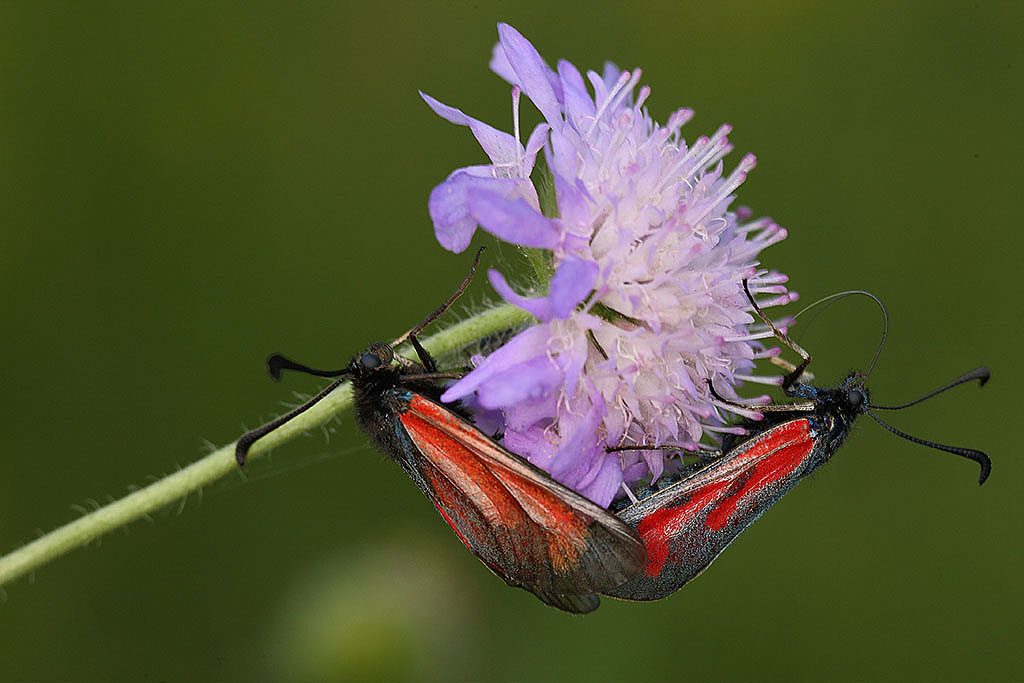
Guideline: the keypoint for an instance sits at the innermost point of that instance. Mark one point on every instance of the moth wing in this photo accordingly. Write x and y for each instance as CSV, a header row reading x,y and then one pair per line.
x,y
687,525
527,528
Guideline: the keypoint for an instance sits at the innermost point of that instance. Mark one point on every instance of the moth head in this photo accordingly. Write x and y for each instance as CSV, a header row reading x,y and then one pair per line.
x,y
378,356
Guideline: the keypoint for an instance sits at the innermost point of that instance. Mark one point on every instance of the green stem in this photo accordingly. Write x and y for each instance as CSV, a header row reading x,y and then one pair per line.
x,y
222,461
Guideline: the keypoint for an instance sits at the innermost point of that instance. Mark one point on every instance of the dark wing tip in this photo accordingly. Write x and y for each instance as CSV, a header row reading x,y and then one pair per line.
x,y
575,604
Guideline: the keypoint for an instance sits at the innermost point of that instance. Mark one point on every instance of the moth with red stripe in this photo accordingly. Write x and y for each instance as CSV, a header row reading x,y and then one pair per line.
x,y
525,527
687,522
538,535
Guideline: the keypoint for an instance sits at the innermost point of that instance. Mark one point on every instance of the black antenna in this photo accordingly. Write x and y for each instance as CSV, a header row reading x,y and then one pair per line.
x,y
969,453
981,374
832,298
276,363
246,441
440,310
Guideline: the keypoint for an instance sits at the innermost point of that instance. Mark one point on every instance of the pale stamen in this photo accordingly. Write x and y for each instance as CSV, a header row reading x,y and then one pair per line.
x,y
619,85
629,493
754,336
738,431
775,381
516,92
743,412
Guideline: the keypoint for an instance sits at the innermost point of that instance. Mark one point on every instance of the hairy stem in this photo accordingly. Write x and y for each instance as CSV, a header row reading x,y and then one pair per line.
x,y
222,461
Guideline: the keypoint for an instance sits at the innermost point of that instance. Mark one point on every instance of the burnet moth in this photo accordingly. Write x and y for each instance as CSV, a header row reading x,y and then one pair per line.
x,y
687,523
525,527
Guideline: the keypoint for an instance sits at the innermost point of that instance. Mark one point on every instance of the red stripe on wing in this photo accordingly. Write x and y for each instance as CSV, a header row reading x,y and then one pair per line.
x,y
660,527
452,459
528,528
770,441
505,498
770,470
772,455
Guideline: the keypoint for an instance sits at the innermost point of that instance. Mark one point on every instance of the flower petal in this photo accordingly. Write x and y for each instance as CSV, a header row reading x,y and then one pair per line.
x,y
499,146
529,413
534,379
571,284
512,220
533,443
538,307
537,139
449,207
528,344
575,207
490,422
607,483
572,357
499,64
532,74
579,439
578,104
564,154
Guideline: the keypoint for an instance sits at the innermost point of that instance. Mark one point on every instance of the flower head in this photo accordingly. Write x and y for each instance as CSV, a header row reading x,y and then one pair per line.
x,y
646,302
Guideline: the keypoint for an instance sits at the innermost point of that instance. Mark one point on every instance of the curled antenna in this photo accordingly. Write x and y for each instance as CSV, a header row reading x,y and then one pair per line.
x,y
246,441
981,374
969,453
275,365
278,363
832,298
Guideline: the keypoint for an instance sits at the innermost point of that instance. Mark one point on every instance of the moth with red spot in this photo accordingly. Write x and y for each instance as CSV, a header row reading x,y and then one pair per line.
x,y
528,529
686,523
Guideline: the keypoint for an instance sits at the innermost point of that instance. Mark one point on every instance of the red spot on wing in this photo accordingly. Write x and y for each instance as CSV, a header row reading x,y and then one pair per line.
x,y
781,452
661,526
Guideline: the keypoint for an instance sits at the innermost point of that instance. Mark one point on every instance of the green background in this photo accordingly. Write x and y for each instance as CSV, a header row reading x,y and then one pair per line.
x,y
186,188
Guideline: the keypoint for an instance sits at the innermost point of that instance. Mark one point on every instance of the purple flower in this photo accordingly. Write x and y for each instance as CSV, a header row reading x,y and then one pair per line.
x,y
646,300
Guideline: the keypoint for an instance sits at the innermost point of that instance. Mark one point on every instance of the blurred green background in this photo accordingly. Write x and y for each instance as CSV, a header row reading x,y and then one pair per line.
x,y
187,187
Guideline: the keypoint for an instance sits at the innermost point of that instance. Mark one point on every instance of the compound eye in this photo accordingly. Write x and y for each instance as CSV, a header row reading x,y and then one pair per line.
x,y
855,397
370,361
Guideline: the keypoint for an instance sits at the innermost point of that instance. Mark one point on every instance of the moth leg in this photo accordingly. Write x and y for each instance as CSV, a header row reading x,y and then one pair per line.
x,y
647,447
428,365
428,376
805,358
806,376
708,456
428,361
